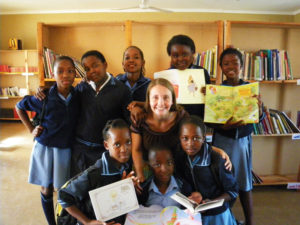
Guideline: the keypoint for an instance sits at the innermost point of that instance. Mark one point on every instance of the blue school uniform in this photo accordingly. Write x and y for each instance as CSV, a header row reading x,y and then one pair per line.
x,y
96,109
237,143
152,196
76,191
51,155
139,89
200,174
196,109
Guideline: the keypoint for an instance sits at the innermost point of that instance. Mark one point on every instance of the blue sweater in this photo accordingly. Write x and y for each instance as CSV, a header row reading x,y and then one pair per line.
x,y
59,120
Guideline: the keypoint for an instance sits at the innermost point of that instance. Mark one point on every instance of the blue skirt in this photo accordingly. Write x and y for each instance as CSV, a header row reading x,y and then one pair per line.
x,y
225,218
240,153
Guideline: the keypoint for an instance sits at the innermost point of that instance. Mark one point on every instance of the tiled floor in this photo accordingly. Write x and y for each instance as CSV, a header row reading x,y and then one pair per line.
x,y
20,201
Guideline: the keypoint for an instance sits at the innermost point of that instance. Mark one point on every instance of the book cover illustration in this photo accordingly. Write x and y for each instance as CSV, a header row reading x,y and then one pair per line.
x,y
224,102
113,200
187,84
156,215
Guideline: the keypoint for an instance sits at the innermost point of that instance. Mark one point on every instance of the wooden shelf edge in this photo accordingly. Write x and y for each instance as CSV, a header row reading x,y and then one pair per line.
x,y
274,135
277,179
10,119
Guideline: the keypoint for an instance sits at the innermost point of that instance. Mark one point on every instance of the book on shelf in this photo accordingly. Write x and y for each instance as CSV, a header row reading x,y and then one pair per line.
x,y
18,69
275,122
208,60
13,92
187,84
193,206
49,57
224,102
266,64
119,198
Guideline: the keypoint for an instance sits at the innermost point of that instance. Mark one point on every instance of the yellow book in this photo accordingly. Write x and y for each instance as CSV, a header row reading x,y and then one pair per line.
x,y
224,102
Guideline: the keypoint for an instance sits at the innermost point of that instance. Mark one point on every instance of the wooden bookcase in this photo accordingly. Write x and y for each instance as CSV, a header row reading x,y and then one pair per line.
x,y
275,157
112,38
26,80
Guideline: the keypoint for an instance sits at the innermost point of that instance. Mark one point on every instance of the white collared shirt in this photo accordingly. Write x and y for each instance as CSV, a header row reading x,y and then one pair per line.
x,y
93,85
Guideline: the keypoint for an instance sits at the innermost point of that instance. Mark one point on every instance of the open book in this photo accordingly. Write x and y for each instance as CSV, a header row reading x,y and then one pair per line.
x,y
194,206
187,84
113,200
224,102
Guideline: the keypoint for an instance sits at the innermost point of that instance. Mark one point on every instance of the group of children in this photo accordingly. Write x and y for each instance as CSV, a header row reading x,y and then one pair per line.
x,y
92,119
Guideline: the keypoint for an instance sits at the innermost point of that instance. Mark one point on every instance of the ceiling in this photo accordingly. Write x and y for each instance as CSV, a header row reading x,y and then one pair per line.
x,y
284,7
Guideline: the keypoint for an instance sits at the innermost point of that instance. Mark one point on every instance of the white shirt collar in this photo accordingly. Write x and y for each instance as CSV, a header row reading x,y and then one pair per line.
x,y
93,85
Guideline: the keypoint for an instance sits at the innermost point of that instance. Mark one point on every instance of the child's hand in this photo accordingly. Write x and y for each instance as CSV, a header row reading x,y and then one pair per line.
x,y
230,124
137,115
97,222
37,131
135,180
40,94
260,104
196,197
228,164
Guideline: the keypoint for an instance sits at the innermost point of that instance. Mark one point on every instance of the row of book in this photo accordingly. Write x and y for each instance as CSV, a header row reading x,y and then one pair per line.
x,y
266,64
13,91
11,113
209,60
18,69
49,57
275,122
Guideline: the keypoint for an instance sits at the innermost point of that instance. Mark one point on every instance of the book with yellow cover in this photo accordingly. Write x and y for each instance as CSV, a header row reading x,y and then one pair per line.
x,y
187,84
224,102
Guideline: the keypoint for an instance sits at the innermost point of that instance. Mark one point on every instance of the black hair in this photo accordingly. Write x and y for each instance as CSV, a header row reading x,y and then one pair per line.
x,y
159,148
195,120
181,40
141,53
231,51
62,58
95,53
113,124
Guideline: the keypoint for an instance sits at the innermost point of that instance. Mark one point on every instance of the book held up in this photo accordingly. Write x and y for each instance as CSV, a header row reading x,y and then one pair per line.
x,y
193,206
224,102
113,200
187,84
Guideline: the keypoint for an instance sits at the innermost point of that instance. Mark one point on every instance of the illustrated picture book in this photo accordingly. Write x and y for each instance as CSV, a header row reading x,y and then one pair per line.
x,y
113,200
193,206
224,102
187,84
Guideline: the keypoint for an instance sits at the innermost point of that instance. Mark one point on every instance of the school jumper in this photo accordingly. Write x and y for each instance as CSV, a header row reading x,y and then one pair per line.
x,y
237,143
54,144
103,172
196,109
200,175
139,89
152,196
96,109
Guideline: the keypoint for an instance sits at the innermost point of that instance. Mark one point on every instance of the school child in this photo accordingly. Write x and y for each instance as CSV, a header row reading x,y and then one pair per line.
x,y
205,170
159,188
235,137
134,76
114,165
51,155
181,49
102,98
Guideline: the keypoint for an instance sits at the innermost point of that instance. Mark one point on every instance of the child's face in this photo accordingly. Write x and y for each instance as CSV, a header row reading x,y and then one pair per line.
x,y
181,56
162,164
191,139
160,99
95,69
119,144
64,74
132,61
231,66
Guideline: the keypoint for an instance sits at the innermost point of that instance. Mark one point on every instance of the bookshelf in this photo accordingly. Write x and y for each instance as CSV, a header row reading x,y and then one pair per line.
x,y
111,38
275,157
18,75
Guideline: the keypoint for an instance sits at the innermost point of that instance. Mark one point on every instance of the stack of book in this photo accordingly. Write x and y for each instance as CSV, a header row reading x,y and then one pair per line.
x,y
17,69
266,64
13,91
275,122
49,57
208,60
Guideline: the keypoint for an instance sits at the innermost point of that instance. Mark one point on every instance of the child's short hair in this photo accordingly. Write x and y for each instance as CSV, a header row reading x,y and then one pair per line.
x,y
195,120
181,40
63,57
233,51
159,148
96,53
112,124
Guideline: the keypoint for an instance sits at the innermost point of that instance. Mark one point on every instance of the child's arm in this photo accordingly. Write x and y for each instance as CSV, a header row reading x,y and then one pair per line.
x,y
75,212
223,154
137,113
137,155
